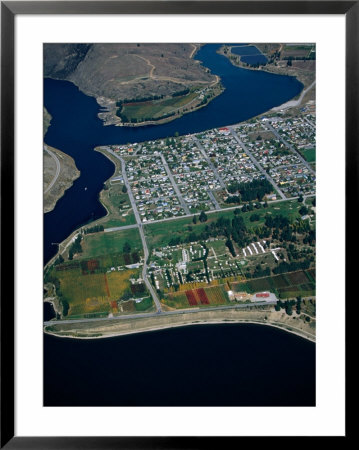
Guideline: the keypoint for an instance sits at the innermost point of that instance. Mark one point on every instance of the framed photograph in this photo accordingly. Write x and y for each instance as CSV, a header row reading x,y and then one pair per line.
x,y
174,183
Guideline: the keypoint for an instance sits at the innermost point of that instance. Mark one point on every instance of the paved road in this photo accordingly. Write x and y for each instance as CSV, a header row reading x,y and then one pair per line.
x,y
174,184
211,165
140,229
256,163
124,227
164,313
215,211
58,167
311,124
214,200
293,103
278,136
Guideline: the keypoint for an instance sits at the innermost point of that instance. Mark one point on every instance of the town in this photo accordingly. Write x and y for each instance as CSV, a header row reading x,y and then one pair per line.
x,y
184,175
220,219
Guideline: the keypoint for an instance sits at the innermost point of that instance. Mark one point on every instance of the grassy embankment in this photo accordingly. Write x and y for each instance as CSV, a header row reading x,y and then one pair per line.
x,y
115,200
267,316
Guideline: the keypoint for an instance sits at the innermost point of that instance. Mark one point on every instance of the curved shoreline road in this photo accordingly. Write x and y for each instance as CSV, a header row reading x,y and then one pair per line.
x,y
58,167
146,252
293,103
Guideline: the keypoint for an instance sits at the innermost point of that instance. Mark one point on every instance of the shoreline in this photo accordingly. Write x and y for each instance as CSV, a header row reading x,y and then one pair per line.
x,y
52,301
119,123
294,103
278,325
77,230
263,68
75,173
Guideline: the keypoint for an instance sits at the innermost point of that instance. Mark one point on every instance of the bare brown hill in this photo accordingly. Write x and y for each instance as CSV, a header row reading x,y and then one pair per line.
x,y
114,72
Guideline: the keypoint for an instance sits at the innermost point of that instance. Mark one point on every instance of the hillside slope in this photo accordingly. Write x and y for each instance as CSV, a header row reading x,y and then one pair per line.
x,y
114,72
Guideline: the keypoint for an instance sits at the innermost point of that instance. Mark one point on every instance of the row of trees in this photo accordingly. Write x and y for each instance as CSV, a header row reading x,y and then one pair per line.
x,y
125,119
311,57
94,229
149,98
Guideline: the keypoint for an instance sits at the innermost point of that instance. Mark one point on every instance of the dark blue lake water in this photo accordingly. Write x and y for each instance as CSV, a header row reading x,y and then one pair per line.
x,y
205,365
201,365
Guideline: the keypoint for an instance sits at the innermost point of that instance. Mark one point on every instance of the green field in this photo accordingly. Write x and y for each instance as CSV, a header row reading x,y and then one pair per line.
x,y
144,305
309,154
102,244
159,234
156,108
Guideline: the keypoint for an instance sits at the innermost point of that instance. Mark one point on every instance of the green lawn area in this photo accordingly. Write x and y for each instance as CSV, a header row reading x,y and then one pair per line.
x,y
156,108
145,304
159,234
309,154
98,244
218,246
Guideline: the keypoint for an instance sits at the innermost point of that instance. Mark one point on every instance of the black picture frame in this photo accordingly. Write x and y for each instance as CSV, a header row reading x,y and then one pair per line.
x,y
9,9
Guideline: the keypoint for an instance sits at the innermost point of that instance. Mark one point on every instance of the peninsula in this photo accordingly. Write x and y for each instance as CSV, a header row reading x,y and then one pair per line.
x,y
203,228
60,171
135,84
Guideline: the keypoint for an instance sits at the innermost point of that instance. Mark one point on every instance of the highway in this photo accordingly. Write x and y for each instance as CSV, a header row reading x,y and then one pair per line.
x,y
163,313
256,163
278,136
140,229
58,167
174,184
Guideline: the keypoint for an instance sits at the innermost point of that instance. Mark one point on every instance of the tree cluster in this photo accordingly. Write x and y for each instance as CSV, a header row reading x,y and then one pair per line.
x,y
254,190
75,247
